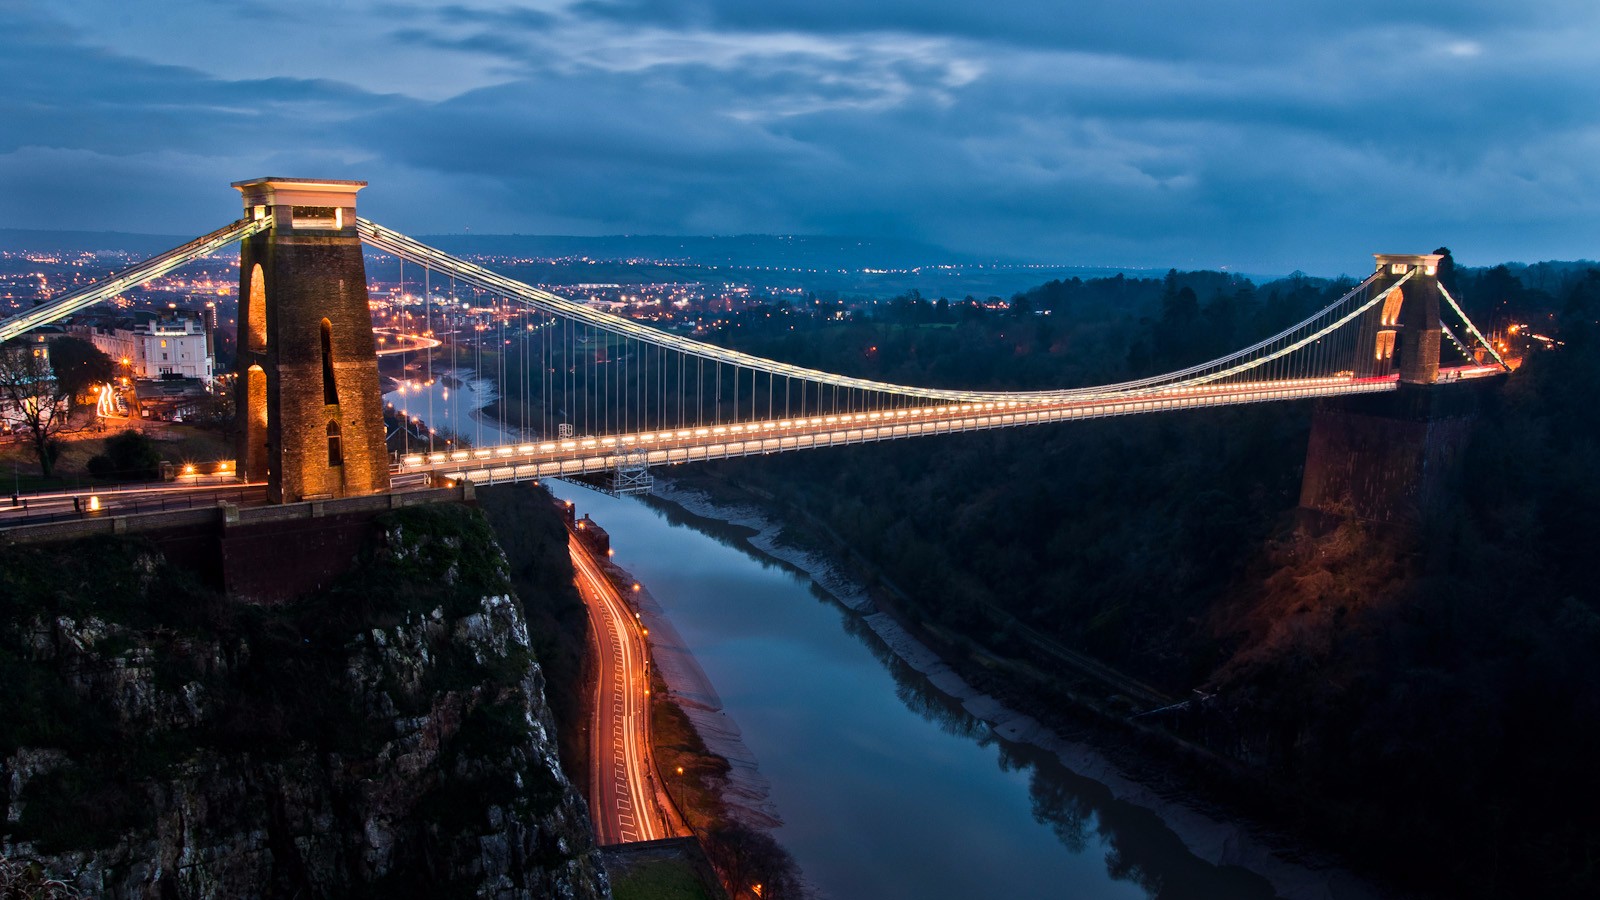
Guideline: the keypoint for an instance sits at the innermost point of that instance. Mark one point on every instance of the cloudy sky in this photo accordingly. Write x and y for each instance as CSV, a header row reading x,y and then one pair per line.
x,y
1263,135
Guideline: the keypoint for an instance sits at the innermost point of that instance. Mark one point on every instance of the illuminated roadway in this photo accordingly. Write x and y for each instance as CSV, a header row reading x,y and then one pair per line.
x,y
128,499
622,798
185,492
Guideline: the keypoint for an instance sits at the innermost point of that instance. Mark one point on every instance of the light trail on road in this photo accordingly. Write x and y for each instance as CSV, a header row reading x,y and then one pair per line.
x,y
622,796
405,342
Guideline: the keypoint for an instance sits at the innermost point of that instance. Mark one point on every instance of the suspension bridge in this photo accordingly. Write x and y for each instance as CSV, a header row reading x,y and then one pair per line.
x,y
583,392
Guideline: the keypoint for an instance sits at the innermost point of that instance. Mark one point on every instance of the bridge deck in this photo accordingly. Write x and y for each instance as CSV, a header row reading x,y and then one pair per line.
x,y
591,455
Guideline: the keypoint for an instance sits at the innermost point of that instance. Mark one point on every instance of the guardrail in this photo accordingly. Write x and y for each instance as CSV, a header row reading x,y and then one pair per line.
x,y
227,515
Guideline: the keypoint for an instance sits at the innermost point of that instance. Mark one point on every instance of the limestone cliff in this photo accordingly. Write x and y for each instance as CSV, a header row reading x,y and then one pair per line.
x,y
386,738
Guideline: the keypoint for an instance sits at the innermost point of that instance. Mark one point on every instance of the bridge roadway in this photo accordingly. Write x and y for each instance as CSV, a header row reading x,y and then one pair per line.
x,y
622,798
185,493
592,455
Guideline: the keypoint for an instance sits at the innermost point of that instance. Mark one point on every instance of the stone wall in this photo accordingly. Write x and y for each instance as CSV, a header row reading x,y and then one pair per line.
x,y
1386,457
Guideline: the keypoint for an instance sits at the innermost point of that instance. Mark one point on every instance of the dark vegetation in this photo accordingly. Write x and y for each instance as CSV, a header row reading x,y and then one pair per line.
x,y
79,365
1428,699
664,880
1444,684
129,455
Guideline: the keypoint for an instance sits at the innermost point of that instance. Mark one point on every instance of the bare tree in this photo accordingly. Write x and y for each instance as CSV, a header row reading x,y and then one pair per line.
x,y
33,398
751,863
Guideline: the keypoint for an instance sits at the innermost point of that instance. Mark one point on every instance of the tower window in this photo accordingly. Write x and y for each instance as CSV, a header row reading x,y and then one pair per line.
x,y
318,217
335,447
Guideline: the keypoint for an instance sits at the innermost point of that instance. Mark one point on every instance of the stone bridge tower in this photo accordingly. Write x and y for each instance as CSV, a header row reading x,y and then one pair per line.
x,y
1404,334
309,404
1392,457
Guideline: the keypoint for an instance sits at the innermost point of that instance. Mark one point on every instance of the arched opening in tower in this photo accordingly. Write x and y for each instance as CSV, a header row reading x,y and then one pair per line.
x,y
330,391
1391,307
256,312
335,449
1385,346
256,398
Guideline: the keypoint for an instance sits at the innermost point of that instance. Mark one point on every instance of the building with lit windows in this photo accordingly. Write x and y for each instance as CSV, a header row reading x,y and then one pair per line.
x,y
173,344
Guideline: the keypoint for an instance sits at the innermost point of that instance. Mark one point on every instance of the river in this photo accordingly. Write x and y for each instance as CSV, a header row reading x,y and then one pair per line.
x,y
886,787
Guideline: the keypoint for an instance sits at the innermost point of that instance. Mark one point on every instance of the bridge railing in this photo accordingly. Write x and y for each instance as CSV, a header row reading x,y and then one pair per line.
x,y
225,515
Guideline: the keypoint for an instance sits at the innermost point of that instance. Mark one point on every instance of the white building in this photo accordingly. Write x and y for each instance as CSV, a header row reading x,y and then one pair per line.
x,y
172,345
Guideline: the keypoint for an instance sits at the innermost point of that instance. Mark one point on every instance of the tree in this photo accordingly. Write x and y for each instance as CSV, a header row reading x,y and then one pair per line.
x,y
1447,271
129,454
33,397
79,365
745,858
214,410
1176,337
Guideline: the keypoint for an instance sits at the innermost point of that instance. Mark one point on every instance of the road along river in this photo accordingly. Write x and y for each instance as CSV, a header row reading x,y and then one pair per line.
x,y
622,796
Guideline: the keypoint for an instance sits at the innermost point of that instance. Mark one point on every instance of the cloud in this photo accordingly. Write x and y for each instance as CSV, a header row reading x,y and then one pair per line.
x,y
1157,132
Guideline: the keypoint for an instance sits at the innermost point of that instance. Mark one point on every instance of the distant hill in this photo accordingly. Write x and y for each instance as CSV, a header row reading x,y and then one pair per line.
x,y
743,250
790,251
849,265
88,241
803,251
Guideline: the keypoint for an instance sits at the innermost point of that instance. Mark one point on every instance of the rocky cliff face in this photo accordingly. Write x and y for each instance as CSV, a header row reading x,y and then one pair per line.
x,y
388,738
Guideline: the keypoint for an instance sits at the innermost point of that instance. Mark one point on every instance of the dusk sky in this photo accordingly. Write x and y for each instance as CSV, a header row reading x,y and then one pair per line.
x,y
1262,136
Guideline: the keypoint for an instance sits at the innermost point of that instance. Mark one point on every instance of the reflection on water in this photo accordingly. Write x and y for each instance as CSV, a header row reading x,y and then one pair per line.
x,y
887,787
1080,811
